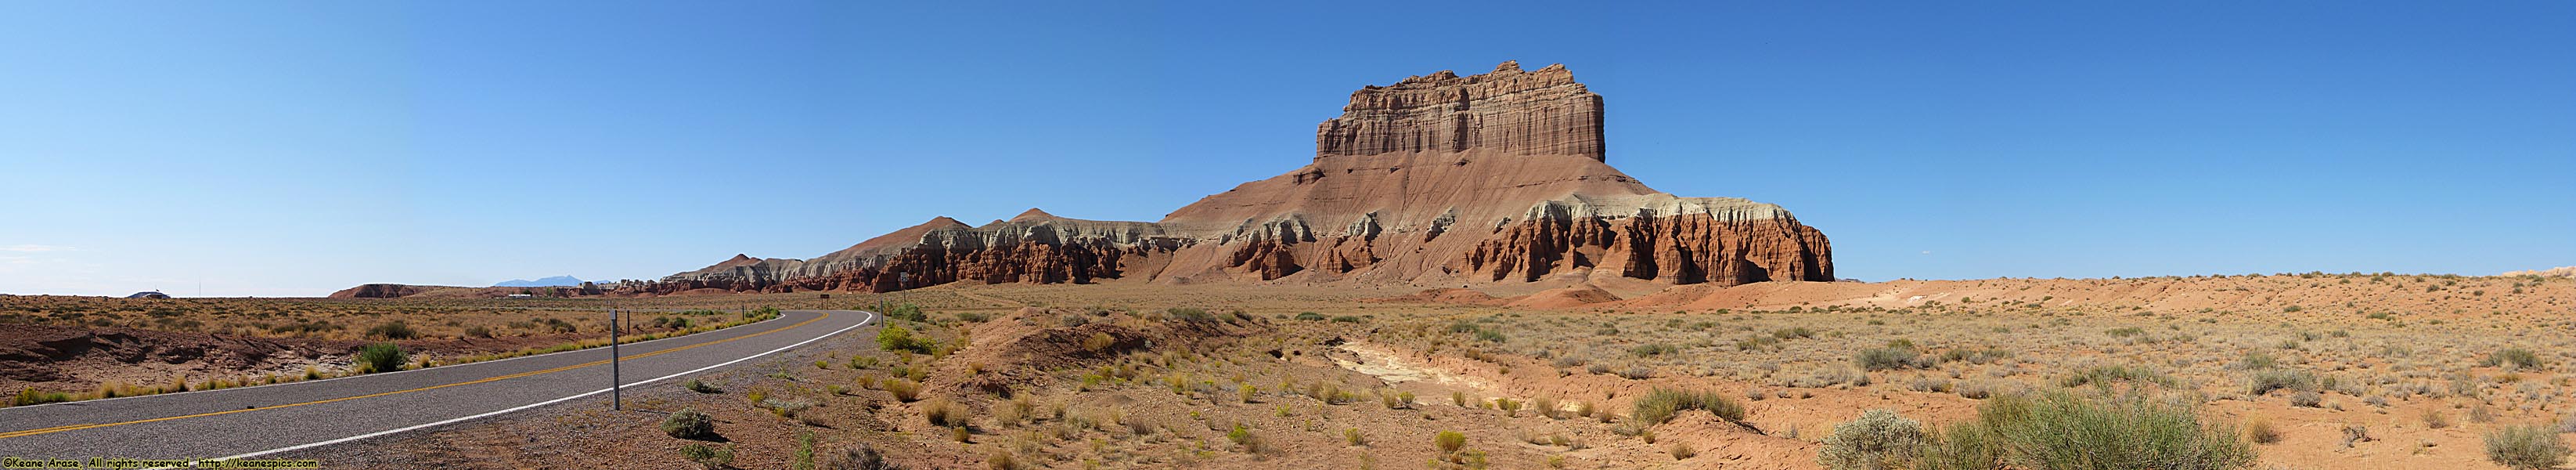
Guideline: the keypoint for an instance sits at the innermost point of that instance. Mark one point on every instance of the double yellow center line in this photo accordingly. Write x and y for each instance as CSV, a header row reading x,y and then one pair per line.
x,y
77,427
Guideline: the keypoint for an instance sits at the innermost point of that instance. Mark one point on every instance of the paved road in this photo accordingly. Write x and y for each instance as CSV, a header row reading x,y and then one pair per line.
x,y
252,421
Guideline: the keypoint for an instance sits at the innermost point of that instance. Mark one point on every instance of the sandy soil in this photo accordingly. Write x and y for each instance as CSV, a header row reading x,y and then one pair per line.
x,y
2411,360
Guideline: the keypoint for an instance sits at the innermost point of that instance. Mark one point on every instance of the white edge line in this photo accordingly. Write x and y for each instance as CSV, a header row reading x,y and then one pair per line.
x,y
871,317
782,316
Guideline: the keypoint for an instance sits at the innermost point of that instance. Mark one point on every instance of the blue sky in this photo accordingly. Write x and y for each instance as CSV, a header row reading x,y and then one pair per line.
x,y
292,149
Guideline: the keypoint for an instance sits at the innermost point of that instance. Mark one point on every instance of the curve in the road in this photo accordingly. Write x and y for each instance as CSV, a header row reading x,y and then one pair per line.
x,y
163,401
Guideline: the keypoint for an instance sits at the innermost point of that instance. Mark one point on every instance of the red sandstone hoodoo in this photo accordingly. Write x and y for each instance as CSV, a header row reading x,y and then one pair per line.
x,y
1438,180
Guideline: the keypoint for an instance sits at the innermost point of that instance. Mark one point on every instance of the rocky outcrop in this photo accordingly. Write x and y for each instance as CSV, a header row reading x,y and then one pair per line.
x,y
1437,180
1508,111
1682,240
379,291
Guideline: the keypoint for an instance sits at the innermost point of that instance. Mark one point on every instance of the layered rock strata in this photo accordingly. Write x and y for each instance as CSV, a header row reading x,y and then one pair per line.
x,y
1437,180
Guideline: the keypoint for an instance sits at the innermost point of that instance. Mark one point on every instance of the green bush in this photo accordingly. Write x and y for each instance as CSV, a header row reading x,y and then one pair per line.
x,y
1879,440
700,386
688,423
393,330
1449,442
903,311
1653,349
896,338
1310,316
1887,358
1964,446
2063,430
2293,380
381,357
2526,447
1659,406
709,458
2105,376
31,396
2514,358
1190,314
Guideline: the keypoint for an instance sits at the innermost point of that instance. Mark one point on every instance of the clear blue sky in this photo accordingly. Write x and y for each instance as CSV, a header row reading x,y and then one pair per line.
x,y
277,149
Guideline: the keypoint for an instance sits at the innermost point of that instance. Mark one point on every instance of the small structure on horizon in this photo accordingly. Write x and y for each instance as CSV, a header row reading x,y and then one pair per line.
x,y
149,294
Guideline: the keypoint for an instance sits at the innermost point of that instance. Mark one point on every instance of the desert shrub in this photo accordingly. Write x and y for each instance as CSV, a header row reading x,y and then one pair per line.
x,y
700,386
902,389
2526,447
1887,358
2262,432
31,396
1310,316
1346,319
558,325
896,338
1682,451
688,423
2514,358
1879,440
2307,399
904,311
1449,442
973,317
1793,333
2266,381
2067,430
1190,314
1654,349
1975,356
2105,376
478,331
706,457
861,457
1964,446
1099,342
2258,360
1659,406
942,412
1243,436
393,330
381,357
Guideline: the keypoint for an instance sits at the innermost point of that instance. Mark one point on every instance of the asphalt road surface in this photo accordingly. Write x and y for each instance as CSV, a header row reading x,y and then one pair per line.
x,y
253,421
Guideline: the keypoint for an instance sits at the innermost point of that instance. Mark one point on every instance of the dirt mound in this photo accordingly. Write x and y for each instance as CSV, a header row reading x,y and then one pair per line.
x,y
1562,297
1018,350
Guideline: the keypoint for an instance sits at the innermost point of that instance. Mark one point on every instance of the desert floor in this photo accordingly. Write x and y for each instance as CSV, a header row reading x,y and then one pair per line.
x,y
2354,371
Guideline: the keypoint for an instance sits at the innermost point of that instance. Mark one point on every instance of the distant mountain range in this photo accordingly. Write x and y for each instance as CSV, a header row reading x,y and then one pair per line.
x,y
546,282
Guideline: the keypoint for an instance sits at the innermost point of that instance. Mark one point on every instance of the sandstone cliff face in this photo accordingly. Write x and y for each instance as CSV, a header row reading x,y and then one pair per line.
x,y
1507,111
1435,180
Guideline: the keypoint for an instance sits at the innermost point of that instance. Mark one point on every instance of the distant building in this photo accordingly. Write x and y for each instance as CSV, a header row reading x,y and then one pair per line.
x,y
148,295
522,296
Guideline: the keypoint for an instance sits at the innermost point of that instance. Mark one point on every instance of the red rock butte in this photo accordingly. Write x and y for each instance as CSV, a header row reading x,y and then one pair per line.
x,y
1436,181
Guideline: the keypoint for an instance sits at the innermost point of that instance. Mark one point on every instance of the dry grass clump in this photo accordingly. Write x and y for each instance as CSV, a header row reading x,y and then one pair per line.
x,y
1878,440
688,423
2526,447
2066,430
1659,406
944,412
